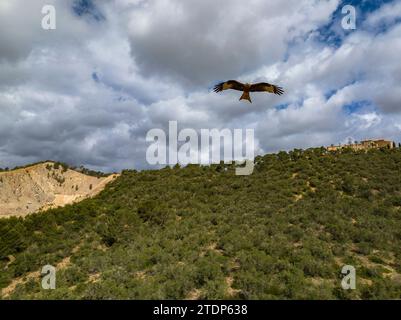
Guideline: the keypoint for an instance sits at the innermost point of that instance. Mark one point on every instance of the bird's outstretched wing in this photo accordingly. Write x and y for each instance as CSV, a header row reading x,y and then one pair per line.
x,y
231,84
266,87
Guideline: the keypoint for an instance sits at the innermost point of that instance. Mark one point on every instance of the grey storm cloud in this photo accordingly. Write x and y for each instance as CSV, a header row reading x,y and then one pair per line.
x,y
88,92
198,42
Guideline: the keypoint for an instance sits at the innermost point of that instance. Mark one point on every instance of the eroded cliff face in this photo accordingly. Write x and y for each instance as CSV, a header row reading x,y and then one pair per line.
x,y
43,186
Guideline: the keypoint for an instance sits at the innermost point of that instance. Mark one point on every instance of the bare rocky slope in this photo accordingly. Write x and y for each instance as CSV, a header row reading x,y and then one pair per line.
x,y
43,186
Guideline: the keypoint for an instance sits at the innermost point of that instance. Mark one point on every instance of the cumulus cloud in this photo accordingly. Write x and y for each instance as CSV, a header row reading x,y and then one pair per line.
x,y
387,14
197,42
88,92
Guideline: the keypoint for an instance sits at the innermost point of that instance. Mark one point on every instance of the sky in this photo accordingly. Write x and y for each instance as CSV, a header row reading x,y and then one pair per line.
x,y
87,92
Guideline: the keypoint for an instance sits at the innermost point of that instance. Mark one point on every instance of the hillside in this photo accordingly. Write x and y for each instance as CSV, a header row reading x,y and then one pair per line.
x,y
202,232
44,185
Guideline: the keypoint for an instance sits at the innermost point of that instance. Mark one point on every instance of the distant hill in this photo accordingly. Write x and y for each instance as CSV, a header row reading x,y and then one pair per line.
x,y
202,232
44,185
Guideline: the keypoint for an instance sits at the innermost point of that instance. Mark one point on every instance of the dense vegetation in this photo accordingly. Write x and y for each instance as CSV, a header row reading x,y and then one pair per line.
x,y
56,165
202,232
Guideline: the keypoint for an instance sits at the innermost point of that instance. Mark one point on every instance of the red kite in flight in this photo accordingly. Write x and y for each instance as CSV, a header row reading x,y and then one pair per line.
x,y
246,88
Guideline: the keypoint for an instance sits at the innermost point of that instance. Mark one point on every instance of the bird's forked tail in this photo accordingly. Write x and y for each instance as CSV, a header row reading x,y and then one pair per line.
x,y
246,96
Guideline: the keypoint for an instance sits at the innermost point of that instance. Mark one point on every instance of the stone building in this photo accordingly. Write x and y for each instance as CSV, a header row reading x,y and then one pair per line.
x,y
365,145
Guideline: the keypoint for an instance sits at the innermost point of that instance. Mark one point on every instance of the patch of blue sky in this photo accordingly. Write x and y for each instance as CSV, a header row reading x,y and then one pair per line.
x,y
356,106
384,25
95,77
332,33
330,93
86,8
356,78
282,106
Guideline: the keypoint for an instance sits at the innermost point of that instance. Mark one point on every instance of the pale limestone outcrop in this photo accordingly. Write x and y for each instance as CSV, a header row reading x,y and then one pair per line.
x,y
41,186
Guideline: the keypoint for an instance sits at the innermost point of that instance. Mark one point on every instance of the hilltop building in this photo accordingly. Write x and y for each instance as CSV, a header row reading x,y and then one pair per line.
x,y
365,145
